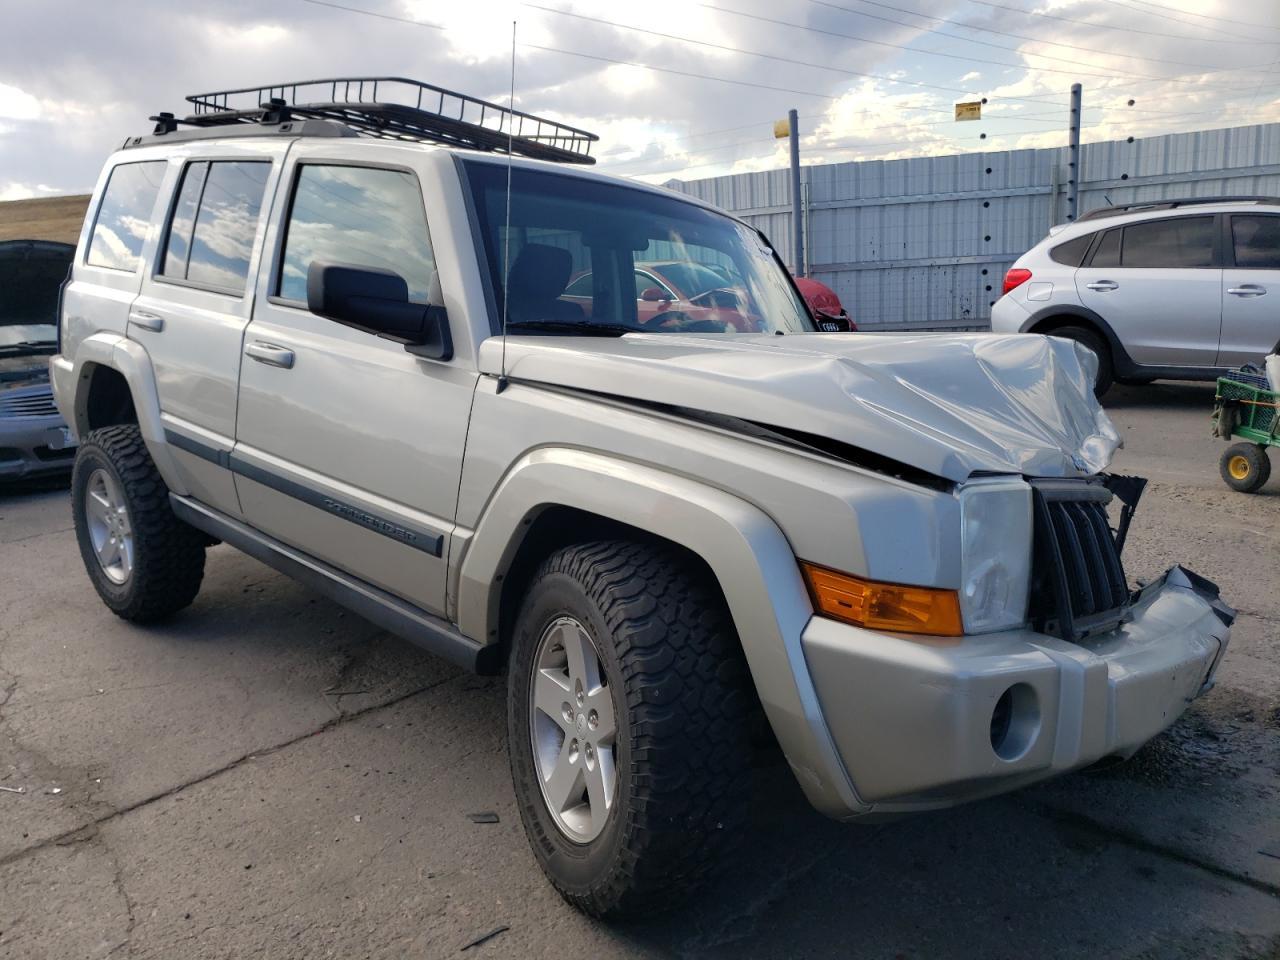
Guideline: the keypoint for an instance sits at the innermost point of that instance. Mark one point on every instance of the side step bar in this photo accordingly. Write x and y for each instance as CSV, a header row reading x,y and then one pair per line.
x,y
375,605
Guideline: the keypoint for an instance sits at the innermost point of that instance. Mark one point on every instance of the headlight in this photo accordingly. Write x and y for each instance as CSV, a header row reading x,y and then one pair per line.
x,y
995,553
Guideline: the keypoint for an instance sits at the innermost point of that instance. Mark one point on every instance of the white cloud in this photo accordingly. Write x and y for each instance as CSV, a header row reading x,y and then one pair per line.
x,y
16,104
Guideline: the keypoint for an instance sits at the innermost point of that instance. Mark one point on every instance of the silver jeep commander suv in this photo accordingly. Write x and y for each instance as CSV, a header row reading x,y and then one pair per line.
x,y
903,552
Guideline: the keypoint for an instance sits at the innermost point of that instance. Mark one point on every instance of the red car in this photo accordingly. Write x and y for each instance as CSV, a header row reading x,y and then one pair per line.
x,y
823,302
697,293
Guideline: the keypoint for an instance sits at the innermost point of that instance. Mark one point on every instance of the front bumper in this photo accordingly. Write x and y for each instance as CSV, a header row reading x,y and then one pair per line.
x,y
925,722
32,447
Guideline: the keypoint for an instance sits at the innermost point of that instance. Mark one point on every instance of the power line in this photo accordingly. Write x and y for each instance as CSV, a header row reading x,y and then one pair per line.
x,y
986,29
1190,13
1189,23
767,56
585,56
1108,26
933,53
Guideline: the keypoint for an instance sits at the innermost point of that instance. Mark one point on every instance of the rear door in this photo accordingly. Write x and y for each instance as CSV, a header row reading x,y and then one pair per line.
x,y
1158,284
196,300
348,446
1250,289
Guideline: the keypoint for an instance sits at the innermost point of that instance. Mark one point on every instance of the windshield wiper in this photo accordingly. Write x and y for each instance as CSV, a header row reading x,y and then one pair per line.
x,y
29,345
583,328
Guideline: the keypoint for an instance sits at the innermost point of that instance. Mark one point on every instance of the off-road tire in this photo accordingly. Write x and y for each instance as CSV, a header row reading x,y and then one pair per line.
x,y
168,557
1245,467
1095,342
683,746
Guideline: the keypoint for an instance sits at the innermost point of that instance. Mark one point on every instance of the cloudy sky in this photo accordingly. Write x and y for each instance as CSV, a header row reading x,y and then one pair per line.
x,y
675,88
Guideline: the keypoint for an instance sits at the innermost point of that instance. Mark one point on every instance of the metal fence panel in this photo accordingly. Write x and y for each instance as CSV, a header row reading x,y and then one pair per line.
x,y
924,243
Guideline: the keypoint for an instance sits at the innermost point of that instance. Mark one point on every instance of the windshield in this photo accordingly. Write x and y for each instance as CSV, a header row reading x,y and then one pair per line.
x,y
569,230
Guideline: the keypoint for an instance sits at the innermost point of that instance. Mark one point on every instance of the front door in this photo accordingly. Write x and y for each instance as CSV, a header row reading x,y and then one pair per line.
x,y
347,446
1157,285
1251,290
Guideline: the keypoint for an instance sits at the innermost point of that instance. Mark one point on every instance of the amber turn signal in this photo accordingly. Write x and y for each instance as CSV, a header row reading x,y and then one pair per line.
x,y
883,606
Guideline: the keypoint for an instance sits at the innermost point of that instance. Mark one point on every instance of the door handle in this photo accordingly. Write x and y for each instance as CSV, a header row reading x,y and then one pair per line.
x,y
147,321
1247,290
1103,285
270,354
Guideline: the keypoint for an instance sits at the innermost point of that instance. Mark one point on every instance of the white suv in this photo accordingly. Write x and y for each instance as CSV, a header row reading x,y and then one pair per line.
x,y
1169,290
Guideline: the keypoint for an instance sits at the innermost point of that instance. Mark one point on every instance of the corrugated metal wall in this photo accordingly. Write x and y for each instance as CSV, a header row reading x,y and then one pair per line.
x,y
924,243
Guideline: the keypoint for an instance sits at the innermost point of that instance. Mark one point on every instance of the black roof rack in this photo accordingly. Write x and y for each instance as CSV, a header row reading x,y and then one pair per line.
x,y
391,108
1169,205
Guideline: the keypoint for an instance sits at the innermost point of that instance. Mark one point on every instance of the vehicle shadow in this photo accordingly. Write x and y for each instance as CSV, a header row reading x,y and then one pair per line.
x,y
1000,878
15,490
1178,394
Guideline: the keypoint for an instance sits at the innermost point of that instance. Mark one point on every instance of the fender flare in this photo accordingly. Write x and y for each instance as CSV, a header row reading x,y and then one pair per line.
x,y
132,362
745,549
1122,364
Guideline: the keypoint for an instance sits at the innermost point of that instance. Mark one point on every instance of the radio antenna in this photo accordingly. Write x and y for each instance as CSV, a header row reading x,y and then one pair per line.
x,y
506,237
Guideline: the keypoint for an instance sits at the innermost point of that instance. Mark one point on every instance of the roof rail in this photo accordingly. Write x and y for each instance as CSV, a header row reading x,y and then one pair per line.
x,y
389,108
1115,211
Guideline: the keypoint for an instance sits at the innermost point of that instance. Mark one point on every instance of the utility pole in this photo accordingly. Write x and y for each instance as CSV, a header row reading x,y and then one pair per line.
x,y
797,200
1073,155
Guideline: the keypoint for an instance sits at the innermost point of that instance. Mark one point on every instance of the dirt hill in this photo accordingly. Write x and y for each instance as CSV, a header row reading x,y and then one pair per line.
x,y
47,218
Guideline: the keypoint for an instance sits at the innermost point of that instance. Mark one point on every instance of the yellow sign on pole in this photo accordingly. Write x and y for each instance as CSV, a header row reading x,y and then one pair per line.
x,y
781,129
969,111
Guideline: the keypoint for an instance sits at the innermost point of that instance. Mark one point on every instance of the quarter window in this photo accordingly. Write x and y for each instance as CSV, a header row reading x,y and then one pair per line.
x,y
360,217
214,223
1181,242
124,216
1257,242
1072,252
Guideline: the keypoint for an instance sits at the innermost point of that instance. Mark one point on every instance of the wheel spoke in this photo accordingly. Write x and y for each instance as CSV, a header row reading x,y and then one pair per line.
x,y
550,693
584,668
601,702
108,550
599,777
97,506
125,545
565,782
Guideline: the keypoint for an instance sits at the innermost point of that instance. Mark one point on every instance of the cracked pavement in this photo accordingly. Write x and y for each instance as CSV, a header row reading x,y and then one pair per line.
x,y
269,775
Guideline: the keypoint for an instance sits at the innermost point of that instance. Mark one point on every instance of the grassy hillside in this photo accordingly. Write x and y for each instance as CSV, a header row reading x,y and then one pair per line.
x,y
48,218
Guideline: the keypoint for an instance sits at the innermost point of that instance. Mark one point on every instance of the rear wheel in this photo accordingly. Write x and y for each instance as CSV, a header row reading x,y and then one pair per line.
x,y
1245,467
1095,342
629,725
145,563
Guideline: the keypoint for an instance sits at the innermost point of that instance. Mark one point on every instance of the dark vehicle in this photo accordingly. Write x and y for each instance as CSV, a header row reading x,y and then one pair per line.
x,y
34,439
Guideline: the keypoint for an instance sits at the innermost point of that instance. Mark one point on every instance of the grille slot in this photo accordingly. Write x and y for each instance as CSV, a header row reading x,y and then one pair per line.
x,y
1079,587
29,406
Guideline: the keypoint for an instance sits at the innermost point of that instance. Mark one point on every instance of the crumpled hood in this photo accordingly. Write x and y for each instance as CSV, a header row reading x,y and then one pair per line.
x,y
949,404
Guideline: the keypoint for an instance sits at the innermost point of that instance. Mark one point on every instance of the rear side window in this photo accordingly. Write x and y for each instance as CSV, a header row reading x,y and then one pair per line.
x,y
361,217
1071,252
214,223
1181,242
1257,241
125,215
1108,252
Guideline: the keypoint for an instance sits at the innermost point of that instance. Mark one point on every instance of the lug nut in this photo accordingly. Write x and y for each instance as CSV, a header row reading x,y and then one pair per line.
x,y
593,719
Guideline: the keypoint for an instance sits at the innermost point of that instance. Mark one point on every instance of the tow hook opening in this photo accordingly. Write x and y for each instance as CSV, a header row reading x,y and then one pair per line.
x,y
1015,722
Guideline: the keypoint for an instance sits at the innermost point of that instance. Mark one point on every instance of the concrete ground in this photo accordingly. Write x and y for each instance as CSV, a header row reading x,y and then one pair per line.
x,y
270,776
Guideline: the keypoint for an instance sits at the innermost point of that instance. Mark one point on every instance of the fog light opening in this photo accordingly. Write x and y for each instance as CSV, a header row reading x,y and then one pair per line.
x,y
1015,722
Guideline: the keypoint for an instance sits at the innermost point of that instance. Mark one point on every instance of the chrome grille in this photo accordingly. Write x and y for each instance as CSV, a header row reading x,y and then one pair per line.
x,y
28,406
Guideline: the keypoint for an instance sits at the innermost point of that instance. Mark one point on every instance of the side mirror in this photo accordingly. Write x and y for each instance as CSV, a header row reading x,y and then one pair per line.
x,y
377,302
653,294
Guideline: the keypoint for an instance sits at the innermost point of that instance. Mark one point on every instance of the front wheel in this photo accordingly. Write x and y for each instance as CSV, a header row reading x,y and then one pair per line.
x,y
628,725
145,563
1245,467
